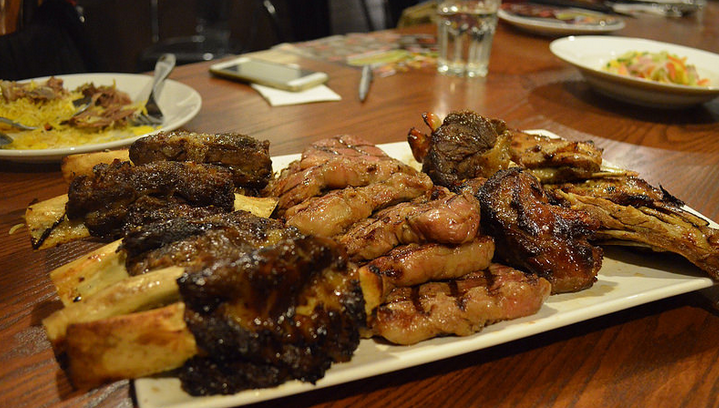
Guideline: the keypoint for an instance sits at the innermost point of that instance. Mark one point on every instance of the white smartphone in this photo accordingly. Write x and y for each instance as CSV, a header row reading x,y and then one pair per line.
x,y
282,76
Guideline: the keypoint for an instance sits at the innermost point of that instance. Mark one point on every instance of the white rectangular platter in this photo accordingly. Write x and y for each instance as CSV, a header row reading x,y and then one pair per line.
x,y
625,280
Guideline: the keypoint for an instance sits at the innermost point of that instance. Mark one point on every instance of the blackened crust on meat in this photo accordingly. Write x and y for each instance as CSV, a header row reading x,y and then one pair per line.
x,y
247,158
104,199
285,311
535,236
189,241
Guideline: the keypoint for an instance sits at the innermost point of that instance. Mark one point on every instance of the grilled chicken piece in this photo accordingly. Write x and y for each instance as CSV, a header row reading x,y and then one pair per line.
x,y
536,236
187,241
281,312
104,200
461,307
466,145
437,216
413,264
247,158
634,213
334,212
554,160
332,164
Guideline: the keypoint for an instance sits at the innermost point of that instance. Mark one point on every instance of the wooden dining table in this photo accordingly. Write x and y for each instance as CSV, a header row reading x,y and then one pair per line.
x,y
659,354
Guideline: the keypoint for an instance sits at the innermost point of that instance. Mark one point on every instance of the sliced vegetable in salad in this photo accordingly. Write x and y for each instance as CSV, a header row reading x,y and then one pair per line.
x,y
656,66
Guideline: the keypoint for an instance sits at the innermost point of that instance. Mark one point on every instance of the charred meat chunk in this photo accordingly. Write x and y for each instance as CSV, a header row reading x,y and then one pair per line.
x,y
634,213
466,145
285,311
186,241
458,307
247,158
104,199
536,236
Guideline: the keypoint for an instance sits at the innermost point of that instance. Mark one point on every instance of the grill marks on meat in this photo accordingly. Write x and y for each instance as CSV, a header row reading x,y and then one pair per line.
x,y
413,264
437,216
632,212
247,158
277,313
459,307
533,235
334,212
466,145
115,190
555,160
333,164
188,241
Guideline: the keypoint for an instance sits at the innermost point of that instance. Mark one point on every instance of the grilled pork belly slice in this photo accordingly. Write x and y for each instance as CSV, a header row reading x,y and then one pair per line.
x,y
436,216
247,158
458,307
413,264
199,241
105,199
321,168
535,236
554,160
632,212
334,212
465,146
281,312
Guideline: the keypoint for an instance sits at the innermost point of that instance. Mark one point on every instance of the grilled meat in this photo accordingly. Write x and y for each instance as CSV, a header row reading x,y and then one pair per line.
x,y
536,236
466,145
437,216
413,264
554,160
333,164
187,241
115,190
461,307
632,212
247,158
334,212
281,312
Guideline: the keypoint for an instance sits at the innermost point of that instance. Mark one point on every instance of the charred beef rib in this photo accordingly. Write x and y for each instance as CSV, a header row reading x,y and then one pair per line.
x,y
465,146
536,236
247,158
633,212
281,312
189,241
115,191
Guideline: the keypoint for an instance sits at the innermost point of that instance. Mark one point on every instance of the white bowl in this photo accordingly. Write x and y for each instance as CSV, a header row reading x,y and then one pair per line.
x,y
590,53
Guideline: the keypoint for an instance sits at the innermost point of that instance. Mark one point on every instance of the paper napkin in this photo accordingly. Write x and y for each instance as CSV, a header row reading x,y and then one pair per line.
x,y
278,97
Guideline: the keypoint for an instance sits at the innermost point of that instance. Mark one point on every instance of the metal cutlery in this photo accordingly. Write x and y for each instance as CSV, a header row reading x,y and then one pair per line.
x,y
152,115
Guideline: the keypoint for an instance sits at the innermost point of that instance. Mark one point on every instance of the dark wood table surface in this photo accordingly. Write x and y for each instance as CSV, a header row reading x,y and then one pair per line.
x,y
662,354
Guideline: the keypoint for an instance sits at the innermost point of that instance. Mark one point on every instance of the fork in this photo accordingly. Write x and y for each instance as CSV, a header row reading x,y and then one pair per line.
x,y
153,115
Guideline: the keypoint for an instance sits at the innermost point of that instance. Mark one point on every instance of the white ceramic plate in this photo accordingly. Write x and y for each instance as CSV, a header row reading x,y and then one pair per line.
x,y
625,280
179,104
590,53
596,23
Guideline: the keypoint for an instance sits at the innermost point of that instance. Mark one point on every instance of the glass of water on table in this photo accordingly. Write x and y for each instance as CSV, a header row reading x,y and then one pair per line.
x,y
465,32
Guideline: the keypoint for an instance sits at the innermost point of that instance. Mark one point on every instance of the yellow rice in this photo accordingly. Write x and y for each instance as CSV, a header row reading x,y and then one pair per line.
x,y
49,115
